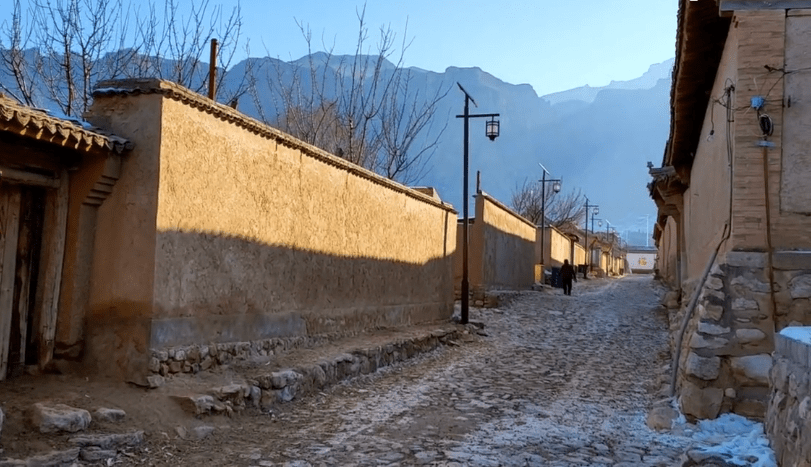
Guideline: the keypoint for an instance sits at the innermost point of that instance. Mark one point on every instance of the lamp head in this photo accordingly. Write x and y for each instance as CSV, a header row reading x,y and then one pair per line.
x,y
491,128
595,211
556,187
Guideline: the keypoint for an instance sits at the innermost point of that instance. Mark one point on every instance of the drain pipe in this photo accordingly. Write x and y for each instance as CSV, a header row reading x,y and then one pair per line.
x,y
690,308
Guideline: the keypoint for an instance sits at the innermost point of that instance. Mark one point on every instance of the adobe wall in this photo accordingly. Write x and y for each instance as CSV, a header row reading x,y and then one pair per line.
x,y
261,238
556,244
254,237
507,253
122,275
579,254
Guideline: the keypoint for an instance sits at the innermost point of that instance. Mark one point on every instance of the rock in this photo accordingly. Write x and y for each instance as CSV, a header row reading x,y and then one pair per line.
x,y
800,286
109,415
701,403
697,341
706,368
53,458
196,404
749,335
730,393
281,379
752,368
741,304
94,454
155,381
712,329
751,284
111,441
59,417
202,432
236,393
714,283
710,311
661,418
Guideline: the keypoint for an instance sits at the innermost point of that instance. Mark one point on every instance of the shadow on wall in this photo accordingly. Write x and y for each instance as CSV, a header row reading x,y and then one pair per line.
x,y
496,258
211,288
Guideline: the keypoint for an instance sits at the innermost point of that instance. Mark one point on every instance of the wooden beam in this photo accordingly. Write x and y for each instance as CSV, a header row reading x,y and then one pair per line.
x,y
27,178
9,223
51,259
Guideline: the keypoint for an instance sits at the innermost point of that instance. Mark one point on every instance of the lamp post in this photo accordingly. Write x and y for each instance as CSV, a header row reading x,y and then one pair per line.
x,y
596,210
556,188
491,131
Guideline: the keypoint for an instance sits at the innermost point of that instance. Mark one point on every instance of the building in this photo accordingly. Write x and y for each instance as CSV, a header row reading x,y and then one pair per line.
x,y
734,204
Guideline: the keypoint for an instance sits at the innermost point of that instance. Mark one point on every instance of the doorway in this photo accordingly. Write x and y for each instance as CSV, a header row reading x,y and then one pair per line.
x,y
22,212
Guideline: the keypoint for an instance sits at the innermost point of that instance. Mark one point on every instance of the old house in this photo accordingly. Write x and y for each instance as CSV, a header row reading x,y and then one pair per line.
x,y
54,175
734,230
199,232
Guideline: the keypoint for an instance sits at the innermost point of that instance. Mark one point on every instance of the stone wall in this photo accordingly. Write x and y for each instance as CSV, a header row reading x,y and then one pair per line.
x,y
788,418
726,352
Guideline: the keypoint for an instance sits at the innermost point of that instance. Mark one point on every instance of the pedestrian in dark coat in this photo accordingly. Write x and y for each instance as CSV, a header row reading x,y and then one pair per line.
x,y
566,275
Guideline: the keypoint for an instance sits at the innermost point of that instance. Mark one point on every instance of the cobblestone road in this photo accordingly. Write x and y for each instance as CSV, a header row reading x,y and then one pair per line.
x,y
558,381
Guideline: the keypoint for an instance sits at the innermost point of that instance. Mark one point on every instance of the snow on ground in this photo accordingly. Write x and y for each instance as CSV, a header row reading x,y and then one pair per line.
x,y
736,439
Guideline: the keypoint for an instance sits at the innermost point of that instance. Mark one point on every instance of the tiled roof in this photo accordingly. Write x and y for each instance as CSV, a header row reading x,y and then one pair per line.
x,y
39,125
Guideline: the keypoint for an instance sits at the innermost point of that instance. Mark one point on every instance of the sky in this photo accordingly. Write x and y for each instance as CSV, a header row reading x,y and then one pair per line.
x,y
551,45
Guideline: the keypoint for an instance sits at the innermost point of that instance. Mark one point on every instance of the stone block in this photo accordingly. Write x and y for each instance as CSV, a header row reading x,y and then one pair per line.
x,y
712,329
661,418
749,335
746,259
743,304
110,441
706,368
778,376
791,260
752,368
714,283
59,417
697,341
701,403
710,311
195,404
800,286
93,454
155,381
110,415
751,284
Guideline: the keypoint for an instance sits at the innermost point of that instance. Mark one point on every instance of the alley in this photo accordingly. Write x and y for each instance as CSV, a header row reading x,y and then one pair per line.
x,y
557,381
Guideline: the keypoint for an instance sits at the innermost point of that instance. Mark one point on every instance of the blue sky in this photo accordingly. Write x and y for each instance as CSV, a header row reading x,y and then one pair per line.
x,y
551,45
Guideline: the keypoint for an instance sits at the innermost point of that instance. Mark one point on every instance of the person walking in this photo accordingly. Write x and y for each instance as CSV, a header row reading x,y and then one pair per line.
x,y
566,275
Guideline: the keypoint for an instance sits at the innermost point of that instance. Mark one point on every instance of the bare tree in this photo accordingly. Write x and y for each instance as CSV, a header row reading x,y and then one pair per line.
x,y
57,50
561,208
364,107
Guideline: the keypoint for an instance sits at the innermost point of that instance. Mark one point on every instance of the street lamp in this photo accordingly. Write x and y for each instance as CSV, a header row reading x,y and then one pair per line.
x,y
556,188
596,210
491,131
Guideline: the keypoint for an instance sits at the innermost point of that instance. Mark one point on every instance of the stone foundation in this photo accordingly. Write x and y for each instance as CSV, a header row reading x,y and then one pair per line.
x,y
726,350
788,418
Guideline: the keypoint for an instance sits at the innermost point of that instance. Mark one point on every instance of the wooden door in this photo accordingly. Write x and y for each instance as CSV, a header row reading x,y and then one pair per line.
x,y
21,220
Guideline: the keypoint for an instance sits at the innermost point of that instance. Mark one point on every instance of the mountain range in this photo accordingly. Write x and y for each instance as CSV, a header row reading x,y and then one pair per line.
x,y
596,139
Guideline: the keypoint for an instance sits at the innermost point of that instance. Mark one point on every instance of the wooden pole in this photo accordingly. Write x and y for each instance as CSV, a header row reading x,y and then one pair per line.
x,y
212,71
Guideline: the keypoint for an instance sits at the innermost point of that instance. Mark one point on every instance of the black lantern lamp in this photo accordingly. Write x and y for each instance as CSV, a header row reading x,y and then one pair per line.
x,y
491,128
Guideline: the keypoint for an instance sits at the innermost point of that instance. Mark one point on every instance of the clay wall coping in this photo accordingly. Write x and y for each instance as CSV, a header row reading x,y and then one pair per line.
x,y
505,208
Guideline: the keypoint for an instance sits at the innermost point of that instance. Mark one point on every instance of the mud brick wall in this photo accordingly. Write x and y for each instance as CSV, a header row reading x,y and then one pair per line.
x,y
244,234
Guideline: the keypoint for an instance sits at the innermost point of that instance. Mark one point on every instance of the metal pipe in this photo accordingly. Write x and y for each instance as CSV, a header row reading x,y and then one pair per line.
x,y
465,278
